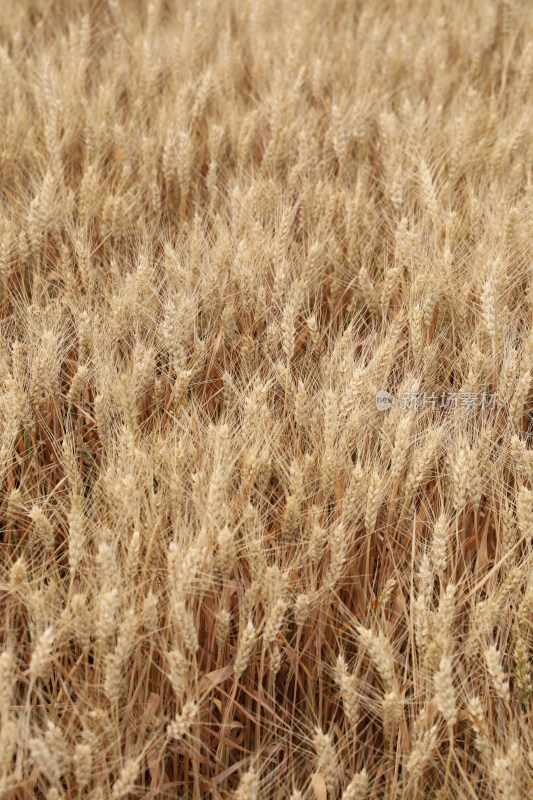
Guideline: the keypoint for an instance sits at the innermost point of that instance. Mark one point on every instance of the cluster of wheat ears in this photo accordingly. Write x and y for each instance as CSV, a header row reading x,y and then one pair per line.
x,y
225,225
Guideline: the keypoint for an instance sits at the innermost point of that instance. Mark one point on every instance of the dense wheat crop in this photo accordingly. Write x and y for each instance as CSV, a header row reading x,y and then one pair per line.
x,y
225,570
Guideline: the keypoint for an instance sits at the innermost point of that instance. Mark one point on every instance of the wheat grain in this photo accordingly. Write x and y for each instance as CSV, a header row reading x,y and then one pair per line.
x,y
225,227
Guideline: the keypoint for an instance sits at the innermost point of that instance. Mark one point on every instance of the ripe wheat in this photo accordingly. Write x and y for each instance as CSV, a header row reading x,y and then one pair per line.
x,y
226,571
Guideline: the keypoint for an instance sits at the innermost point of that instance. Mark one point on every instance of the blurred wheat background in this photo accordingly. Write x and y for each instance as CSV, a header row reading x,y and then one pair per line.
x,y
224,226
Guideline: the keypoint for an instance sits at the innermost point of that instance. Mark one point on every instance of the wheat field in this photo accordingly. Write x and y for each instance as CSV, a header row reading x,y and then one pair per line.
x,y
266,367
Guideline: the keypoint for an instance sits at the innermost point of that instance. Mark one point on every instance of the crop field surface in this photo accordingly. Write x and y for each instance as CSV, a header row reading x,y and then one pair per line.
x,y
266,398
